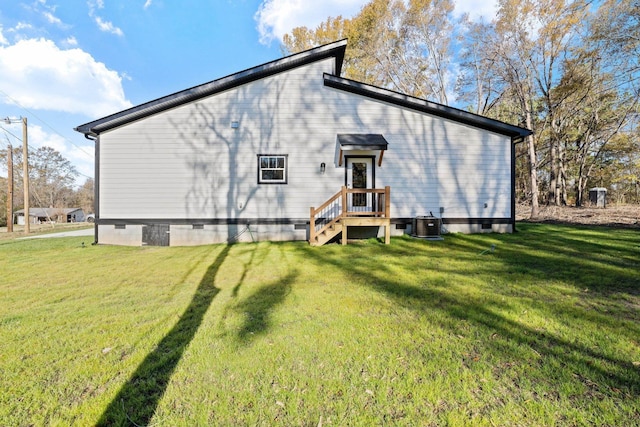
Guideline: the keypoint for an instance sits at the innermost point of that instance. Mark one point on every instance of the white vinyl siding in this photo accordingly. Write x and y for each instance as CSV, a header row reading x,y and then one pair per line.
x,y
189,162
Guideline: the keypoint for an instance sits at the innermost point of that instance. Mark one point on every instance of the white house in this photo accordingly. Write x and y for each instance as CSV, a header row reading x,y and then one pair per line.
x,y
46,215
247,156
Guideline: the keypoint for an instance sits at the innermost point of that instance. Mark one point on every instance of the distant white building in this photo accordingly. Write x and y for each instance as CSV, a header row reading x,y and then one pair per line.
x,y
44,215
247,156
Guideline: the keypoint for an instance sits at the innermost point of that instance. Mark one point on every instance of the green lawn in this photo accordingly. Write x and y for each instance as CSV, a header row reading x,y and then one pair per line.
x,y
542,330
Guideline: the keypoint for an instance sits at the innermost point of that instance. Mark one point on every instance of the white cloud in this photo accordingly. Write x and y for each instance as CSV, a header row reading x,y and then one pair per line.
x,y
21,26
80,157
3,40
52,18
105,26
108,27
48,12
70,41
147,3
476,9
275,18
37,74
38,137
95,4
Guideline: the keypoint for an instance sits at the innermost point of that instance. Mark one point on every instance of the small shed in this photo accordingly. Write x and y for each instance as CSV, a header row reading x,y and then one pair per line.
x,y
598,197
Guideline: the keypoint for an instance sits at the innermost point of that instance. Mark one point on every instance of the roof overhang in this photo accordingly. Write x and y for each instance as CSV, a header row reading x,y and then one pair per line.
x,y
362,141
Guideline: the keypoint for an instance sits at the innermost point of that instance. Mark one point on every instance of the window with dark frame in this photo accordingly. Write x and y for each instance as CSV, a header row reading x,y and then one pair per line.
x,y
272,168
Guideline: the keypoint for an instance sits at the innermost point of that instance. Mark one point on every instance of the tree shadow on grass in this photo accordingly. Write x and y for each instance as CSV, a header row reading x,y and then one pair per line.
x,y
425,294
137,400
257,307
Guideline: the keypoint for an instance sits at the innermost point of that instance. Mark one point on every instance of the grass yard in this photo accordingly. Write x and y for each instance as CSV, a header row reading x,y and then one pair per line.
x,y
542,330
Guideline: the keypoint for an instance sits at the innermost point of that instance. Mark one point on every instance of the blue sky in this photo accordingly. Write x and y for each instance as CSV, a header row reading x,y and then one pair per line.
x,y
67,62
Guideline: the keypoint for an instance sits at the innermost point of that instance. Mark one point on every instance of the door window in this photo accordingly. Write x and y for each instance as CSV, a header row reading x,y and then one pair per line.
x,y
359,174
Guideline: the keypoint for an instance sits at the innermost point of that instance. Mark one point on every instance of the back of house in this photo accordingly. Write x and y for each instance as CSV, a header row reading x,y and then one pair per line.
x,y
247,156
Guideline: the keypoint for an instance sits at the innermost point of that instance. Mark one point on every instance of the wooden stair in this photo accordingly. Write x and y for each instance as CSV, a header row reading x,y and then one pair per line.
x,y
334,217
327,234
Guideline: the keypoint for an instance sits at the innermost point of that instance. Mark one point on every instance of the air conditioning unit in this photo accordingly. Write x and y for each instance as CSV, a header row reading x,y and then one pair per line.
x,y
426,226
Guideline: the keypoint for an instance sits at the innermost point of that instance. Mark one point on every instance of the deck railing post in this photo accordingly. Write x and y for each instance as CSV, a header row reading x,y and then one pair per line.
x,y
344,201
312,225
387,202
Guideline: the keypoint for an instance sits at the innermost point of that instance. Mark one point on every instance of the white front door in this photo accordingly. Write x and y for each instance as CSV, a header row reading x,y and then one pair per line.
x,y
360,175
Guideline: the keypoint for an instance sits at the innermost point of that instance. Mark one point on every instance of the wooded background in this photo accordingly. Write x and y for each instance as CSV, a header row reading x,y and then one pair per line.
x,y
568,70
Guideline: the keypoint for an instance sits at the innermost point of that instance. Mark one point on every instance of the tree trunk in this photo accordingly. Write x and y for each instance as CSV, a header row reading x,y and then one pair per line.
x,y
579,192
533,166
581,184
553,173
562,159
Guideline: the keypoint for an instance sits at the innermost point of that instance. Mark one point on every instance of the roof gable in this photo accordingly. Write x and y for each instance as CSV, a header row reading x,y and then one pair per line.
x,y
516,133
332,50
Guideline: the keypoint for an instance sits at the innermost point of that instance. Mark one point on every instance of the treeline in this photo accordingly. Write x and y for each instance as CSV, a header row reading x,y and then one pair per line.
x,y
52,181
568,70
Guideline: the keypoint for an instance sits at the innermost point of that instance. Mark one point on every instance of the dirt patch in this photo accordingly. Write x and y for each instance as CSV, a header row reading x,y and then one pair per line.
x,y
627,216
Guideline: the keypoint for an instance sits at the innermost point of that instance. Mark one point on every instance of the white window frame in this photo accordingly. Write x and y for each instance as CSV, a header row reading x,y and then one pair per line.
x,y
273,167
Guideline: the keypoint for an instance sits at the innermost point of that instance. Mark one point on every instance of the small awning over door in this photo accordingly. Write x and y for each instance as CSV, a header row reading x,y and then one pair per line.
x,y
362,141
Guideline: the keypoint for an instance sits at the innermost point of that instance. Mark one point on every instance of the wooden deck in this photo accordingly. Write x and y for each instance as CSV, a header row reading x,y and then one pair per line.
x,y
337,214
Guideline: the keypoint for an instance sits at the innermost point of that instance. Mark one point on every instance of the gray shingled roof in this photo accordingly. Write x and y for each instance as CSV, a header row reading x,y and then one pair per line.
x,y
362,141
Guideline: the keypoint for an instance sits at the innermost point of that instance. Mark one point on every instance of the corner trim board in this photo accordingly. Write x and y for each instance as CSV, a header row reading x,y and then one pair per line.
x,y
96,189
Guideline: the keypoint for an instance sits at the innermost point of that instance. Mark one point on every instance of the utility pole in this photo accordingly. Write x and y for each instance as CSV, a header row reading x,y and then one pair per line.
x,y
25,168
10,189
25,174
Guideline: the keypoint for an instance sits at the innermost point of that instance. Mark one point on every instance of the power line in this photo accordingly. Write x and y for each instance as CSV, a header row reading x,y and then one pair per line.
x,y
31,148
10,133
45,123
8,143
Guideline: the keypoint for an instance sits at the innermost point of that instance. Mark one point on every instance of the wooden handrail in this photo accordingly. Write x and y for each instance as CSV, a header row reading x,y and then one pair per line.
x,y
366,190
326,204
384,213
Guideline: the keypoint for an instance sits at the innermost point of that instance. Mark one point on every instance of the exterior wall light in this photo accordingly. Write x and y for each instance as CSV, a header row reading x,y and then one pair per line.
x,y
323,167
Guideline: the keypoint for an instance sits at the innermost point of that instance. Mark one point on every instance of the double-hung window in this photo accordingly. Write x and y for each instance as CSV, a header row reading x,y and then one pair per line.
x,y
272,168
